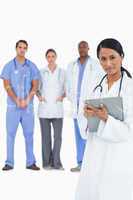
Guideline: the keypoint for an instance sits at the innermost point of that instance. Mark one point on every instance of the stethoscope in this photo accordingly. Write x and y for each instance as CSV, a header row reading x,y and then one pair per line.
x,y
22,75
100,84
46,74
16,67
46,71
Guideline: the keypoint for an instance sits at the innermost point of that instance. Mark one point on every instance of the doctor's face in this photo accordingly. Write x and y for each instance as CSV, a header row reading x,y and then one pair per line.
x,y
83,49
51,58
110,60
21,49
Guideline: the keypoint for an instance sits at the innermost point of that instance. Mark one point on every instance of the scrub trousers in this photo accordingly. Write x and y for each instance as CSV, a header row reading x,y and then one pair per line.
x,y
80,143
14,116
51,156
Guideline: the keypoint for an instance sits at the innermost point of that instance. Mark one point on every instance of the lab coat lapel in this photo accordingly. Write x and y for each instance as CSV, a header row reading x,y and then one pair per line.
x,y
86,79
75,72
113,91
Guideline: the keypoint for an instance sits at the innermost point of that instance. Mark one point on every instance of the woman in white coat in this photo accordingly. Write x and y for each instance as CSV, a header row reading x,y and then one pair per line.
x,y
107,170
50,111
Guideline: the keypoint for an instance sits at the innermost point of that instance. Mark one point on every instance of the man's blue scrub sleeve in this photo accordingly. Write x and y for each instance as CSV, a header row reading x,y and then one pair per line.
x,y
6,72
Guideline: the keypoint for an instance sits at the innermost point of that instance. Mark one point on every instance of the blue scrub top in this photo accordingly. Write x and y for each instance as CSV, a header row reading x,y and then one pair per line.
x,y
20,77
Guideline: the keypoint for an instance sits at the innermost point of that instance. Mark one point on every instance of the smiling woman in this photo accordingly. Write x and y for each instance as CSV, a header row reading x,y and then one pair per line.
x,y
59,24
111,54
107,167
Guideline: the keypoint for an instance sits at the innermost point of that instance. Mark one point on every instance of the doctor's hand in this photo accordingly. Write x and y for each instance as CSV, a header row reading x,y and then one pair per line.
x,y
60,98
23,103
41,98
89,111
17,102
102,113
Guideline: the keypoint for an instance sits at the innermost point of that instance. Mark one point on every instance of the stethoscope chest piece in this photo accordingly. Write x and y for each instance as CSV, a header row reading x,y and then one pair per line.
x,y
101,88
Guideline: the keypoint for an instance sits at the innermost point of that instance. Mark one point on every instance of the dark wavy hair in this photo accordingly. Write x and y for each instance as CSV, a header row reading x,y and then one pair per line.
x,y
115,45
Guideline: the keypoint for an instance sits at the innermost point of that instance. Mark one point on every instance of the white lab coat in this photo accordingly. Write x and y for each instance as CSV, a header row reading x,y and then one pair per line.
x,y
107,170
52,85
93,71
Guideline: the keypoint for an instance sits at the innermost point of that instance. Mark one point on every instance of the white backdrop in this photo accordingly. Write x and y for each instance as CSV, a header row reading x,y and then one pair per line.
x,y
61,25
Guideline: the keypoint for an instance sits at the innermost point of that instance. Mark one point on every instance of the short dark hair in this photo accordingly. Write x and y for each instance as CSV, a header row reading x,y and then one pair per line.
x,y
22,41
83,42
50,50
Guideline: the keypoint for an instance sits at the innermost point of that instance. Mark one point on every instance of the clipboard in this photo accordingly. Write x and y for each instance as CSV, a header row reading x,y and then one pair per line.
x,y
114,106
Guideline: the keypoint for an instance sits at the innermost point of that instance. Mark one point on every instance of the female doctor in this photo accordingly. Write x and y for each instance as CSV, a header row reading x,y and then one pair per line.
x,y
107,170
50,111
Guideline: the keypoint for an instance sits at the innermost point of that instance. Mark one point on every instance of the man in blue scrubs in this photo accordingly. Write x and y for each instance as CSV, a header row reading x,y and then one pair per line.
x,y
20,77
